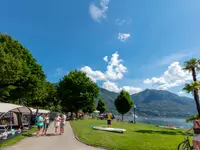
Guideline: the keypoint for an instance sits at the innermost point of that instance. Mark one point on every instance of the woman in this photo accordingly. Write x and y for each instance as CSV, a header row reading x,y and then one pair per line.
x,y
196,138
62,124
39,124
46,124
57,123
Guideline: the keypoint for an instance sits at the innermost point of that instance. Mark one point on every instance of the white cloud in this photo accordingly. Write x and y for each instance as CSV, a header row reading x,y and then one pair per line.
x,y
115,70
94,75
105,58
173,57
181,93
120,22
111,86
99,12
60,72
123,36
174,76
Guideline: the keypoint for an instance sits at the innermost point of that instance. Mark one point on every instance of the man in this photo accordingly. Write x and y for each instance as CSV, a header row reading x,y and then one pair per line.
x,y
109,117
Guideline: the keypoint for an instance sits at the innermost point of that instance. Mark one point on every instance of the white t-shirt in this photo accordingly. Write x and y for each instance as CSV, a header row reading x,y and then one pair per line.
x,y
64,119
46,119
57,121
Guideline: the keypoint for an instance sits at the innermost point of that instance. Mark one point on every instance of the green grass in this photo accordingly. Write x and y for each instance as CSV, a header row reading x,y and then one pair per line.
x,y
18,138
137,136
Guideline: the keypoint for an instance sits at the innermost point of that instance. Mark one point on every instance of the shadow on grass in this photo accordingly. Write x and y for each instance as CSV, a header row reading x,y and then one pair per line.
x,y
159,132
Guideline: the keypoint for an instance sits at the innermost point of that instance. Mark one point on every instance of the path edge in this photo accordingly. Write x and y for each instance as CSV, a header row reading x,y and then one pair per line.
x,y
77,138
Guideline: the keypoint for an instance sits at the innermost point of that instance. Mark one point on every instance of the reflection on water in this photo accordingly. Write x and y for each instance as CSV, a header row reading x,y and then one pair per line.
x,y
180,123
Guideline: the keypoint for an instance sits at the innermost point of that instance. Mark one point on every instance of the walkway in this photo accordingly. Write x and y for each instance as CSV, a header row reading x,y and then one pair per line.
x,y
67,141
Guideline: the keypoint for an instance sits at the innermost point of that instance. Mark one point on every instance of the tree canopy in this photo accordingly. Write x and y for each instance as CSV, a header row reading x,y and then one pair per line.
x,y
101,106
77,91
123,103
20,74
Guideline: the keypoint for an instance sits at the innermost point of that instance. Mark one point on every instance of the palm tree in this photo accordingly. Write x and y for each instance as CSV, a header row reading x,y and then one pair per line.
x,y
193,88
192,65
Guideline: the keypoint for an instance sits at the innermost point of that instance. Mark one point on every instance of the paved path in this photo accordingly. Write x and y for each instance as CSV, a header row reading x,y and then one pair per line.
x,y
67,141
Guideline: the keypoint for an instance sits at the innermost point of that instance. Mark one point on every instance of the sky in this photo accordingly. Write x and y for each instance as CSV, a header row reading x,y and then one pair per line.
x,y
130,44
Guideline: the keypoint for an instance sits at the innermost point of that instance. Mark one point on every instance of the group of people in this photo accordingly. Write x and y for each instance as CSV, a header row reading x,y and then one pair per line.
x,y
43,121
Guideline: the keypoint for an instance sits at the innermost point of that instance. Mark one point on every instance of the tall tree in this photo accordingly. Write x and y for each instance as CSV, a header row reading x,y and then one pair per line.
x,y
123,103
101,106
77,91
89,108
193,88
20,74
193,65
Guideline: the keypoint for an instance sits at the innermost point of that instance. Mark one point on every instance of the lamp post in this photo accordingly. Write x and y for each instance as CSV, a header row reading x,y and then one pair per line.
x,y
134,112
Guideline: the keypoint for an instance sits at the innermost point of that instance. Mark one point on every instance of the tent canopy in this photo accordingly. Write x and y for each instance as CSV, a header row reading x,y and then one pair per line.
x,y
96,111
40,111
6,107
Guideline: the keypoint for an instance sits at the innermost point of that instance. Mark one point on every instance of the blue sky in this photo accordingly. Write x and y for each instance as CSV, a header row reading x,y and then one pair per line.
x,y
153,38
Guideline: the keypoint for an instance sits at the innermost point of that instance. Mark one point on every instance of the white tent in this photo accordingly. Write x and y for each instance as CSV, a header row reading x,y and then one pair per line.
x,y
40,111
96,111
7,107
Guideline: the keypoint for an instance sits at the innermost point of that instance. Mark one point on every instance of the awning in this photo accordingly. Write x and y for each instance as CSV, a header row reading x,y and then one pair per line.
x,y
96,111
40,111
6,107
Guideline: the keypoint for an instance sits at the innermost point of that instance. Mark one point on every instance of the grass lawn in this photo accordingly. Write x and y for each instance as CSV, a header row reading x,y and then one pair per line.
x,y
18,138
136,137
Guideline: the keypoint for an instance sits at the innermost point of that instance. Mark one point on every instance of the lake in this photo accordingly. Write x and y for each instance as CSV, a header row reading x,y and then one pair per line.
x,y
180,123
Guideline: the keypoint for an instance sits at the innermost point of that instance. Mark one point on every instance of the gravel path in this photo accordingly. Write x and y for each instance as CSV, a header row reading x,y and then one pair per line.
x,y
67,141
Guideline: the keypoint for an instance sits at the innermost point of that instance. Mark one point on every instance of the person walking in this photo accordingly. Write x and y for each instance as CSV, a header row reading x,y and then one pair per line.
x,y
39,124
46,124
109,118
62,123
57,123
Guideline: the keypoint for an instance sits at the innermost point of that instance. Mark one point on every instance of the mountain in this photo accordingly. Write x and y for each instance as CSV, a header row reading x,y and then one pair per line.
x,y
154,103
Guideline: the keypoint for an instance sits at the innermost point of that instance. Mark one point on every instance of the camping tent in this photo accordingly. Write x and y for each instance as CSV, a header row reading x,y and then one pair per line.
x,y
7,107
40,111
11,115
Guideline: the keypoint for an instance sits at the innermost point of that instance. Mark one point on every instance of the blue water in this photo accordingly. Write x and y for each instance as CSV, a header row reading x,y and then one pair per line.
x,y
179,123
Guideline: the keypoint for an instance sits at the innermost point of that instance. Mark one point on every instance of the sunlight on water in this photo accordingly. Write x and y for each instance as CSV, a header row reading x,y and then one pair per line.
x,y
179,123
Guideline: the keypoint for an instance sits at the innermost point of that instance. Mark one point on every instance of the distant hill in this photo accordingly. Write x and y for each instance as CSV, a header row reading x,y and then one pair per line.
x,y
154,103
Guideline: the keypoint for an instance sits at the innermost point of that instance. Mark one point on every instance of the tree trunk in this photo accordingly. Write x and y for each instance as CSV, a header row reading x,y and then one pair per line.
x,y
196,98
77,115
37,109
122,117
194,74
71,117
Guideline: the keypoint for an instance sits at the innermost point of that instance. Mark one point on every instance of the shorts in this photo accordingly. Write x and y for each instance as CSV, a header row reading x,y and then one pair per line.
x,y
196,137
46,125
62,125
109,122
39,127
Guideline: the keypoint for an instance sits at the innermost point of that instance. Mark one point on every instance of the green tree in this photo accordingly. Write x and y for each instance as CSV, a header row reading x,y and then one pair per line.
x,y
123,103
20,74
90,108
193,88
193,65
77,91
101,106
